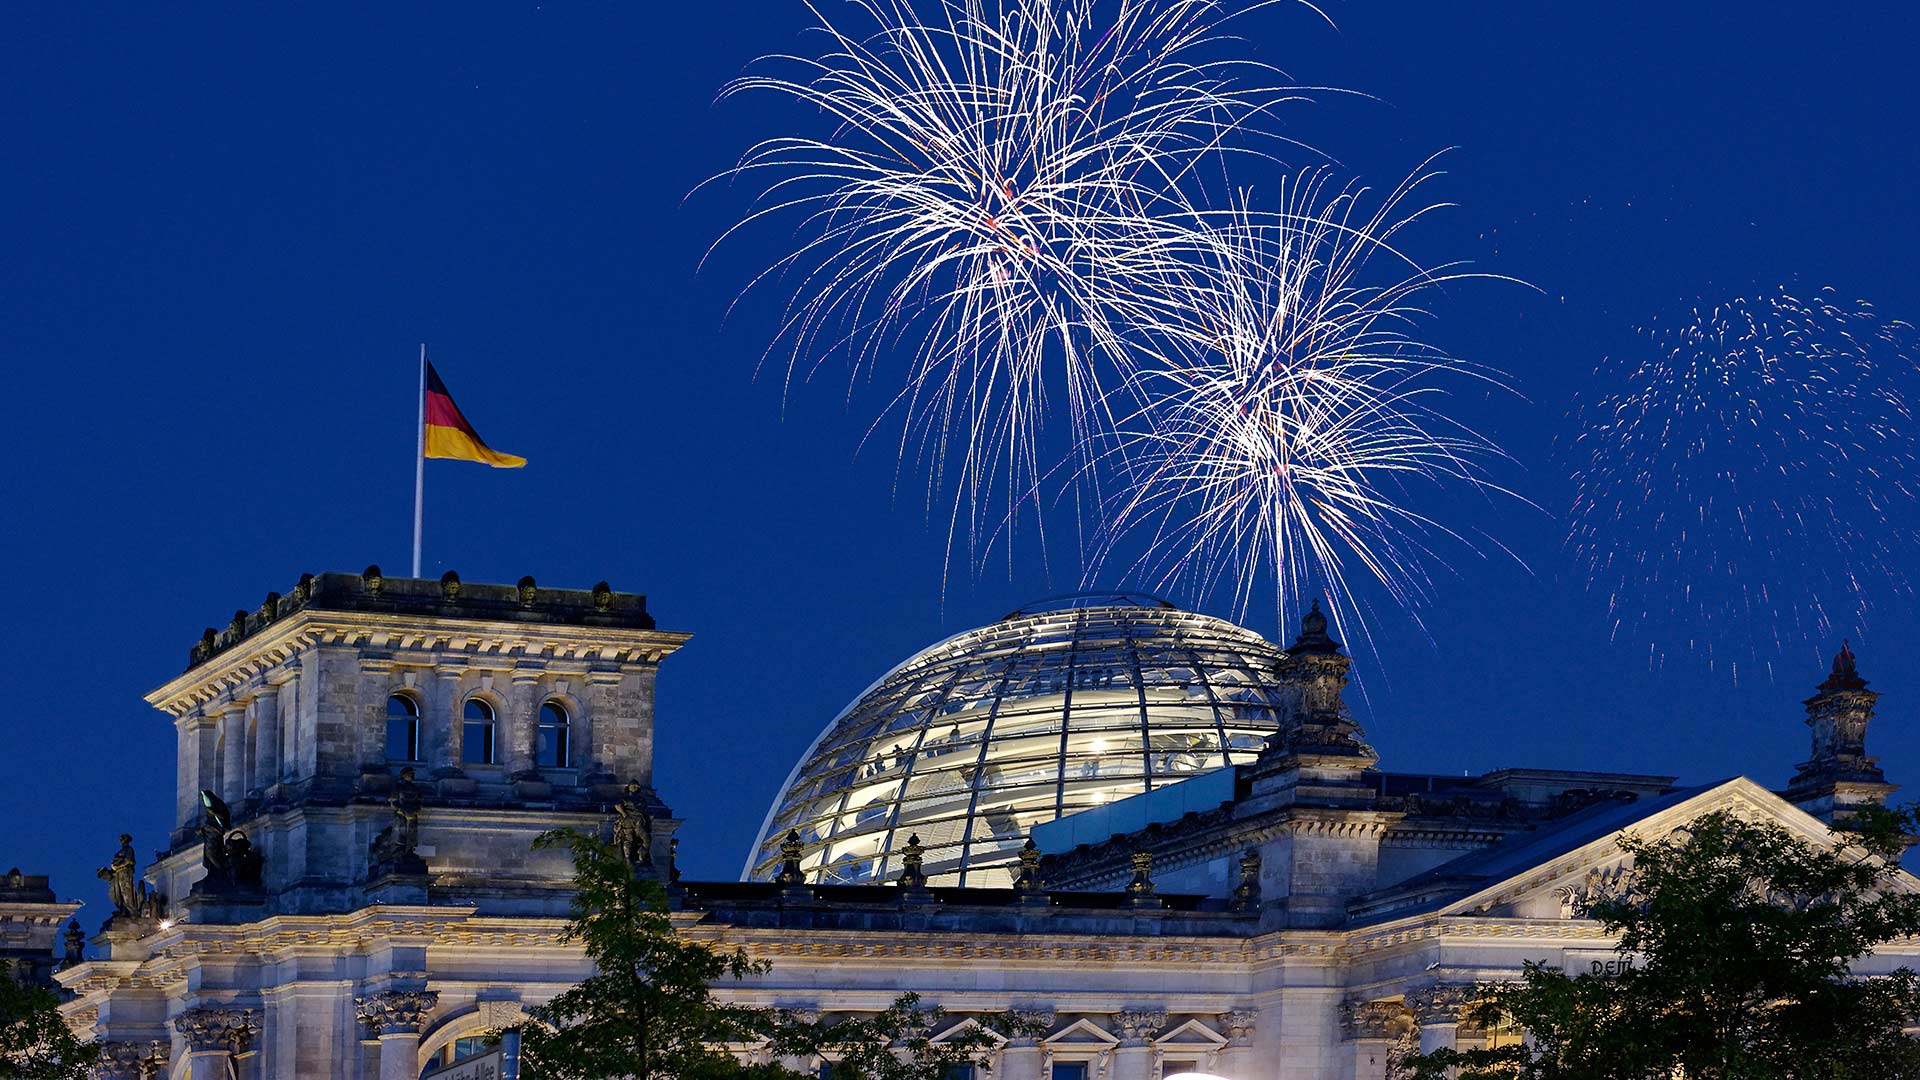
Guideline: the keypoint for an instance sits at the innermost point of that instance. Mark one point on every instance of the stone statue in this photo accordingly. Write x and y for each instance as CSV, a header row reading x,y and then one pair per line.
x,y
395,848
633,829
225,851
123,883
216,820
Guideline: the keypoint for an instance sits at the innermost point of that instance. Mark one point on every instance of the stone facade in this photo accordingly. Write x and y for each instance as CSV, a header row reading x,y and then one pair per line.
x,y
1323,923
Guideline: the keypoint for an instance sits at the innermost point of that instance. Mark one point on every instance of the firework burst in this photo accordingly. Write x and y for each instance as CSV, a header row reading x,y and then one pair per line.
x,y
996,180
1743,478
1293,410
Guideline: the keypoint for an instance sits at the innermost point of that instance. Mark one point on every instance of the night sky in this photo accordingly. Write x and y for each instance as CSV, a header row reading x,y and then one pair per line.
x,y
226,229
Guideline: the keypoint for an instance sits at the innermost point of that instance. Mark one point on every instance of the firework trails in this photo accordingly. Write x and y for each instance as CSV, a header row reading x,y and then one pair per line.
x,y
1017,214
1743,478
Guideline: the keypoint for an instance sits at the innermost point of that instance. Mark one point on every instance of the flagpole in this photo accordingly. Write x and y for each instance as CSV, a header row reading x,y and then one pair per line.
x,y
419,457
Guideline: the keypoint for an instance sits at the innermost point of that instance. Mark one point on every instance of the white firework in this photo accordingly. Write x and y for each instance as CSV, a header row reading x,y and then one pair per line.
x,y
1293,411
996,182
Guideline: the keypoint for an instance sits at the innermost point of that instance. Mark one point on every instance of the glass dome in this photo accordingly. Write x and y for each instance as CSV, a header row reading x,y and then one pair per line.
x,y
1056,708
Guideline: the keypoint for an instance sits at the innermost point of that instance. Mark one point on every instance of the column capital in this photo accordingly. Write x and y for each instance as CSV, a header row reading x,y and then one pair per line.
x,y
1375,1020
1238,1025
1442,1003
396,1012
130,1060
1139,1025
217,1028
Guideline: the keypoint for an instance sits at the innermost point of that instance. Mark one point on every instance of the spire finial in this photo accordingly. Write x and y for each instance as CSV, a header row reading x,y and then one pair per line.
x,y
1313,633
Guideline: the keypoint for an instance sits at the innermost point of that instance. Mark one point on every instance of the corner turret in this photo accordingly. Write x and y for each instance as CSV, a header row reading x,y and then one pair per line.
x,y
1840,776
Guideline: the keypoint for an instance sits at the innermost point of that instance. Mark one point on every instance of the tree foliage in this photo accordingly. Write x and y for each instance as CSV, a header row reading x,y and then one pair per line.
x,y
649,1010
35,1043
1742,935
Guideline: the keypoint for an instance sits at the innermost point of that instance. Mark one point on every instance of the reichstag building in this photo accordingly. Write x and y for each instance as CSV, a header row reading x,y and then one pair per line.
x,y
1160,837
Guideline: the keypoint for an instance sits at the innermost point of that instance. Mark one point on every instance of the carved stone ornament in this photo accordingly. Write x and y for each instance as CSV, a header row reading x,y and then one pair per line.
x,y
1375,1020
372,580
1443,1003
396,1012
1246,895
1029,881
912,863
133,1060
602,596
529,592
1039,1021
217,1028
500,1014
1139,1025
1142,883
74,952
790,850
231,863
1614,884
1238,1024
450,586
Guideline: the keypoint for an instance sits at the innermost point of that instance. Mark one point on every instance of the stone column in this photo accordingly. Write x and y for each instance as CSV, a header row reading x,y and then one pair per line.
x,y
195,766
232,741
519,725
1022,1058
266,735
1377,1034
398,1017
1437,1009
213,1035
1133,1058
1236,1058
442,725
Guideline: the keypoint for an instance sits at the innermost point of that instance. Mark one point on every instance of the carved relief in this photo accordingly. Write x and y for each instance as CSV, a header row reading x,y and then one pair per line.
x,y
396,1012
217,1028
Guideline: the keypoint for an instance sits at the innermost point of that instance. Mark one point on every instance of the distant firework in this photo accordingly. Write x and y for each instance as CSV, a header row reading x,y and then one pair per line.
x,y
1744,480
996,180
1295,415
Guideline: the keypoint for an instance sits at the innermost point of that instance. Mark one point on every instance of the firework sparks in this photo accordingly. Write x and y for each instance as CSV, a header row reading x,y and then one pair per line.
x,y
1288,417
996,180
1742,481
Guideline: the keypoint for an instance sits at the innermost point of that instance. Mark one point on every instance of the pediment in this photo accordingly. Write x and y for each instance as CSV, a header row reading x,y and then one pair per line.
x,y
970,1024
1192,1035
1082,1033
1564,881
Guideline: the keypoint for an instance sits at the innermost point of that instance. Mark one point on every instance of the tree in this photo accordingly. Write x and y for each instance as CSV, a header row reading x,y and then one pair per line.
x,y
649,1011
1742,936
35,1043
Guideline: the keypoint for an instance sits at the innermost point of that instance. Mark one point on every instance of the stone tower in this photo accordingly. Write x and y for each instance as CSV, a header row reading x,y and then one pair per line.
x,y
1314,771
1840,776
366,739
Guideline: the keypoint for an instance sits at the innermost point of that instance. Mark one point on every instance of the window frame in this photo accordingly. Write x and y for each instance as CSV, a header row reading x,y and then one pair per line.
x,y
562,746
492,725
413,715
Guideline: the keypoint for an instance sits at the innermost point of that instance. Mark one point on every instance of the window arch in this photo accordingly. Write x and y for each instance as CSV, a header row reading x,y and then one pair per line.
x,y
478,734
555,748
403,728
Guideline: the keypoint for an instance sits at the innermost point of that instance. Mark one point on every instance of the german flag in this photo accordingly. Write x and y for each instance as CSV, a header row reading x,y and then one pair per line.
x,y
449,435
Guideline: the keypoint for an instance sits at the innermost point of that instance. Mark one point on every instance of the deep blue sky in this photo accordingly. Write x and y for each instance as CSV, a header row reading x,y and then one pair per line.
x,y
226,228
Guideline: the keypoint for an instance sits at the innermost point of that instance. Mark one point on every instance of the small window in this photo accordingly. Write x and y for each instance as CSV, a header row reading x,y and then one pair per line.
x,y
556,737
403,728
1069,1070
958,1072
476,737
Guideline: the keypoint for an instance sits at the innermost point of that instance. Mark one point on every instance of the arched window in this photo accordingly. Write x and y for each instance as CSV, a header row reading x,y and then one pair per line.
x,y
476,739
556,737
403,728
459,1050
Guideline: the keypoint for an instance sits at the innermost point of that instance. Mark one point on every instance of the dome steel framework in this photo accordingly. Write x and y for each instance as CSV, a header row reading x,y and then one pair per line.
x,y
1054,709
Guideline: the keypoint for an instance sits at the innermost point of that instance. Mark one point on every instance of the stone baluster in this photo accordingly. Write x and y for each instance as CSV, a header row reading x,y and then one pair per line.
x,y
397,1017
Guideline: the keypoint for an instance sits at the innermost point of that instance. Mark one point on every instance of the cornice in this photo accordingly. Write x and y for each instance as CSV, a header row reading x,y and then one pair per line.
x,y
416,640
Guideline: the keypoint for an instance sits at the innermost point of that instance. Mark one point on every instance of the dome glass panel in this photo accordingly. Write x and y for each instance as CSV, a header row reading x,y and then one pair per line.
x,y
1057,708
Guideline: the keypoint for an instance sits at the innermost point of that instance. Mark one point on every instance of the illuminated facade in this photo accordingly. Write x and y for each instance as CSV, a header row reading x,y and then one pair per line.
x,y
1054,709
348,891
